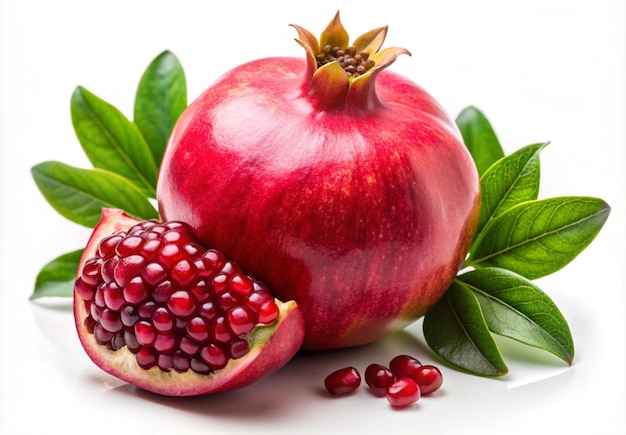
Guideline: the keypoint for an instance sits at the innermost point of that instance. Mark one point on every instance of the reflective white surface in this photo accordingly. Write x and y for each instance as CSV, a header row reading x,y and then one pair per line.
x,y
540,70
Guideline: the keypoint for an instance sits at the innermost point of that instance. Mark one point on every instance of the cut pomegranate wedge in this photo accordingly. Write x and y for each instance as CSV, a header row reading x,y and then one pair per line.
x,y
159,311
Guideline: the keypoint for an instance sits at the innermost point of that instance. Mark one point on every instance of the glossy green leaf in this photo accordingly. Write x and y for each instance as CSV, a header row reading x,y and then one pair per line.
x,y
111,141
479,138
537,238
516,308
80,194
56,279
160,99
508,182
455,329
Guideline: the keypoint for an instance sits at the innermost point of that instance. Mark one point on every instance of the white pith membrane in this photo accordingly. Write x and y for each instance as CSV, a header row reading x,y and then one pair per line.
x,y
122,363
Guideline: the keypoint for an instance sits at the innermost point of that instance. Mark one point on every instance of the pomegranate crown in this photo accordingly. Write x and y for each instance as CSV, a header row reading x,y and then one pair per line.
x,y
340,72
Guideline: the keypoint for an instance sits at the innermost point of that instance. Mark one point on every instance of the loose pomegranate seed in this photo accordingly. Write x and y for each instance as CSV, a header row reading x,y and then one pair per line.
x,y
403,392
172,303
404,366
378,378
343,381
429,379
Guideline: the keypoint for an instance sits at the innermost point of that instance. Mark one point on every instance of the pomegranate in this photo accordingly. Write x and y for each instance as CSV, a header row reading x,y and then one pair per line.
x,y
343,186
343,381
156,309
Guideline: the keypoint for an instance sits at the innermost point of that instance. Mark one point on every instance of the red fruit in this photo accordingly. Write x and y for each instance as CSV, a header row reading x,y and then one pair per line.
x,y
352,195
152,323
429,379
404,366
343,381
378,378
403,392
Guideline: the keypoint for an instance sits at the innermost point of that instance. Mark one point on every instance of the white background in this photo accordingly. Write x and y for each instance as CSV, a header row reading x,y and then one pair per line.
x,y
540,70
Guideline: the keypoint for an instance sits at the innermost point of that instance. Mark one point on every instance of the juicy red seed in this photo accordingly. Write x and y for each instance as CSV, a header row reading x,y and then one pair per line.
x,y
129,315
227,301
198,328
127,268
98,297
213,259
150,249
130,245
145,311
170,254
113,296
189,346
220,283
193,249
241,320
101,334
201,291
199,366
165,343
403,392
180,362
95,312
183,273
107,269
239,348
214,356
135,291
165,362
378,378
268,312
118,342
90,324
110,320
241,285
91,271
343,381
404,365
429,379
162,320
177,237
221,332
146,358
131,341
162,292
153,273
208,311
106,248
181,304
230,268
85,291
145,333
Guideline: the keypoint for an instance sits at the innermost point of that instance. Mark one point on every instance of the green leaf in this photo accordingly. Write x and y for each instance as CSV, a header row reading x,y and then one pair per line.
x,y
508,182
111,141
56,279
479,138
161,98
455,329
80,194
516,308
537,238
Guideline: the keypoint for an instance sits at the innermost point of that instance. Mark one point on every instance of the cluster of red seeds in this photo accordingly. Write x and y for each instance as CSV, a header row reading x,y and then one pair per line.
x,y
402,383
170,301
355,64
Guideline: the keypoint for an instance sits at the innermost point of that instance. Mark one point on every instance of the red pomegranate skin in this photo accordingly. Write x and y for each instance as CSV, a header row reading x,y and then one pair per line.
x,y
362,213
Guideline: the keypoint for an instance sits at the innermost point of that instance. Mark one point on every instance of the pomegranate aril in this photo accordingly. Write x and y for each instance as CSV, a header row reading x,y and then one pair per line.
x,y
162,320
127,268
343,381
239,348
403,392
241,285
378,378
106,271
153,273
241,320
102,335
145,311
429,379
91,271
150,248
208,310
180,362
113,296
198,328
117,341
162,292
146,358
199,366
106,248
131,341
227,301
214,356
404,365
268,313
165,362
213,260
181,304
165,343
84,290
110,320
170,254
183,273
220,283
130,245
135,292
221,331
145,333
189,346
200,291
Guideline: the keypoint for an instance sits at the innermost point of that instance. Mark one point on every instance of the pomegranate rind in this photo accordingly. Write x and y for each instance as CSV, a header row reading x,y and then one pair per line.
x,y
271,346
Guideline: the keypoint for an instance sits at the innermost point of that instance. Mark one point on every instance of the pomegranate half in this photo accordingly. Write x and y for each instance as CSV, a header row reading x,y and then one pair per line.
x,y
157,310
343,186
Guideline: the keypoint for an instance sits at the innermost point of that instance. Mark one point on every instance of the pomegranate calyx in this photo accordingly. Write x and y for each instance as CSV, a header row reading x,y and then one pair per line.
x,y
341,74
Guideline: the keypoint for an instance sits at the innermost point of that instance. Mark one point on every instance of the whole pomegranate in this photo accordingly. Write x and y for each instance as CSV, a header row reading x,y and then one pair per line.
x,y
343,186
